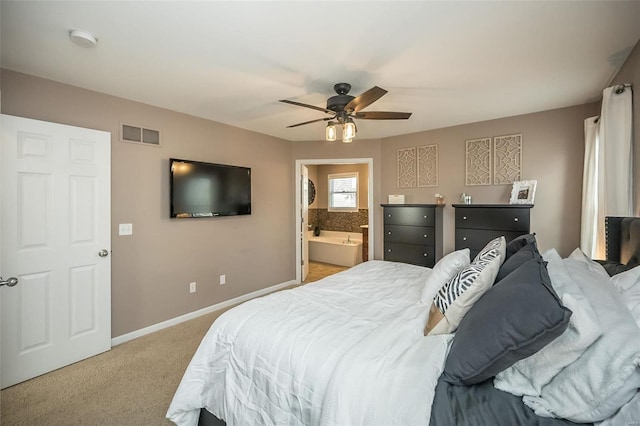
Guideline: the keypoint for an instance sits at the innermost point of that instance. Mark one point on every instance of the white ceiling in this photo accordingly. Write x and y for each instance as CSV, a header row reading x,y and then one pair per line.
x,y
447,62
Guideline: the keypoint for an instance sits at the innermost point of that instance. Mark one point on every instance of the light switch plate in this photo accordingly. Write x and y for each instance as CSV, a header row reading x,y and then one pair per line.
x,y
125,229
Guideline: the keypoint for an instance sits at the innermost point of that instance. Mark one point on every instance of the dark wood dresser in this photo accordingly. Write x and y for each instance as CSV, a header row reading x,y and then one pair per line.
x,y
413,233
477,224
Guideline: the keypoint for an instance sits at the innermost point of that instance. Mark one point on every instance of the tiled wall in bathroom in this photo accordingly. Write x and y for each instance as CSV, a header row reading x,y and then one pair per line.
x,y
338,221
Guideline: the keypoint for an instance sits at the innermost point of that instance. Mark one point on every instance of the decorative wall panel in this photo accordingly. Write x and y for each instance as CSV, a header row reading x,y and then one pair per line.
x,y
407,168
478,162
507,159
427,165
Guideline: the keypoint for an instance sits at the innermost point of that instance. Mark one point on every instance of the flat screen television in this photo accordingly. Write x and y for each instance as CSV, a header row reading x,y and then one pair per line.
x,y
201,189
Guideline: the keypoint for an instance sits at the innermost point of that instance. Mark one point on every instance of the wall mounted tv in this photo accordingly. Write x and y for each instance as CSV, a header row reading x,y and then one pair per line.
x,y
206,190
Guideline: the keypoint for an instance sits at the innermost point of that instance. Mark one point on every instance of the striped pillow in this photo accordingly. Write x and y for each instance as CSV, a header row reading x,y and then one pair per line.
x,y
459,294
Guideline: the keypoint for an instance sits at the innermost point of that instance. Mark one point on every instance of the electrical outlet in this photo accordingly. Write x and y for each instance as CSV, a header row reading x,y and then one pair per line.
x,y
125,229
192,287
223,279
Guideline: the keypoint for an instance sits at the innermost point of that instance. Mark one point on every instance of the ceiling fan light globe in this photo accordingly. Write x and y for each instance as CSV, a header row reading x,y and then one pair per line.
x,y
330,133
349,130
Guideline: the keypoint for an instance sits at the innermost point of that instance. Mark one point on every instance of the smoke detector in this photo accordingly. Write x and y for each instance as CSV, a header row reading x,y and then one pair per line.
x,y
83,38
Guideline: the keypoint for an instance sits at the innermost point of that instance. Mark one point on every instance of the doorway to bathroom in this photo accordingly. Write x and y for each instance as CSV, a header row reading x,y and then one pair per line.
x,y
317,213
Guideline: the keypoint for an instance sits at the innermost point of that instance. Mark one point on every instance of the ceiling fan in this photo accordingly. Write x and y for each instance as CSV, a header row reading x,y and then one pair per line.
x,y
344,108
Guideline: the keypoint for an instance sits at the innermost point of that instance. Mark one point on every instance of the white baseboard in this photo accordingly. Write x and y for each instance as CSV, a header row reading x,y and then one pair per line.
x,y
186,317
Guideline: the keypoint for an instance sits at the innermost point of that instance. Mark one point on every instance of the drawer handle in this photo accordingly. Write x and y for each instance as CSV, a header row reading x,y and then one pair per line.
x,y
425,235
389,250
515,219
425,216
389,232
464,218
425,254
464,238
389,215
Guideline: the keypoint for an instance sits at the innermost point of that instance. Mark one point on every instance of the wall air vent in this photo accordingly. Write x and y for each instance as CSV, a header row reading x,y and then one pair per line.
x,y
135,134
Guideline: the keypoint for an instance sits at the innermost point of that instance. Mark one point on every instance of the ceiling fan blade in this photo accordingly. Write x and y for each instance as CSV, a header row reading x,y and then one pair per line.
x,y
365,99
382,115
328,111
312,121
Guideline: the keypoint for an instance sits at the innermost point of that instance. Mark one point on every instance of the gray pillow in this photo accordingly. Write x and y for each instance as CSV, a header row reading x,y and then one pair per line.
x,y
513,320
614,268
517,243
522,256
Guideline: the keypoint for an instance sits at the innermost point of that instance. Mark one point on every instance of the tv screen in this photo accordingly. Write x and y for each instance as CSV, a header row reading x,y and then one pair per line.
x,y
205,189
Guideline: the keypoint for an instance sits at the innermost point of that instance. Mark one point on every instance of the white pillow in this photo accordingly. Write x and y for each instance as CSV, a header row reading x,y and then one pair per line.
x,y
628,414
458,295
550,255
628,285
442,272
528,376
593,266
605,377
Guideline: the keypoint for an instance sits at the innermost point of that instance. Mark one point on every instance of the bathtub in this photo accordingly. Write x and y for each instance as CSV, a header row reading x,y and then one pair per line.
x,y
337,248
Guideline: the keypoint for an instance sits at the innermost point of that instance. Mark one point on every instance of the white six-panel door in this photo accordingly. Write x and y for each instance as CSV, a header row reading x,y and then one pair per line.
x,y
56,240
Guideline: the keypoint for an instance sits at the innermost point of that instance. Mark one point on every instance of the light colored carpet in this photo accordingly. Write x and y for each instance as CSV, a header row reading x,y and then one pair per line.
x,y
132,384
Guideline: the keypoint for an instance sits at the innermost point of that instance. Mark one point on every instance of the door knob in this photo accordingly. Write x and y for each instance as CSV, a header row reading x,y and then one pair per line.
x,y
103,253
9,282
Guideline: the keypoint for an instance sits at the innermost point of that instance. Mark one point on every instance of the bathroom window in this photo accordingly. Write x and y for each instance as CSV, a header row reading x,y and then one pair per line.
x,y
343,192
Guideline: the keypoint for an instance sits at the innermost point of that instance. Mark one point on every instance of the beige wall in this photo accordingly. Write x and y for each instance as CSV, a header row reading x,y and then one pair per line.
x,y
151,269
552,153
630,73
553,150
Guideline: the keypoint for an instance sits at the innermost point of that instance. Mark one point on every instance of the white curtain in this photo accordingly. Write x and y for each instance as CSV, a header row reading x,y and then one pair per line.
x,y
607,188
591,193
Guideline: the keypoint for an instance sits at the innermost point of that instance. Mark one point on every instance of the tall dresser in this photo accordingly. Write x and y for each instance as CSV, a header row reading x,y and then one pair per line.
x,y
413,233
477,224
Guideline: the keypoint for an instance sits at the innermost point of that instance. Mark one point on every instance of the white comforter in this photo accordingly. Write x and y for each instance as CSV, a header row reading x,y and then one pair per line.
x,y
347,350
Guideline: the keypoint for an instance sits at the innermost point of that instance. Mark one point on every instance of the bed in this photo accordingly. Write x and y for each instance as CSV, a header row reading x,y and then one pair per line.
x,y
374,345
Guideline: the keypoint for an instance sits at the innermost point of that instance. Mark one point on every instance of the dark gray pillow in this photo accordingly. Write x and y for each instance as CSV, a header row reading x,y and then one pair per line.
x,y
513,320
522,256
614,268
517,243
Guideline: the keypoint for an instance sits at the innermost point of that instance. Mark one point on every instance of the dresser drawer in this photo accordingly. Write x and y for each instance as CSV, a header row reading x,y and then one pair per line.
x,y
410,253
508,219
424,235
413,216
476,239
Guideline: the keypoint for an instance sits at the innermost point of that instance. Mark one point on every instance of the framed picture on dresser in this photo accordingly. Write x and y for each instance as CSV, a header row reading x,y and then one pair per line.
x,y
523,192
